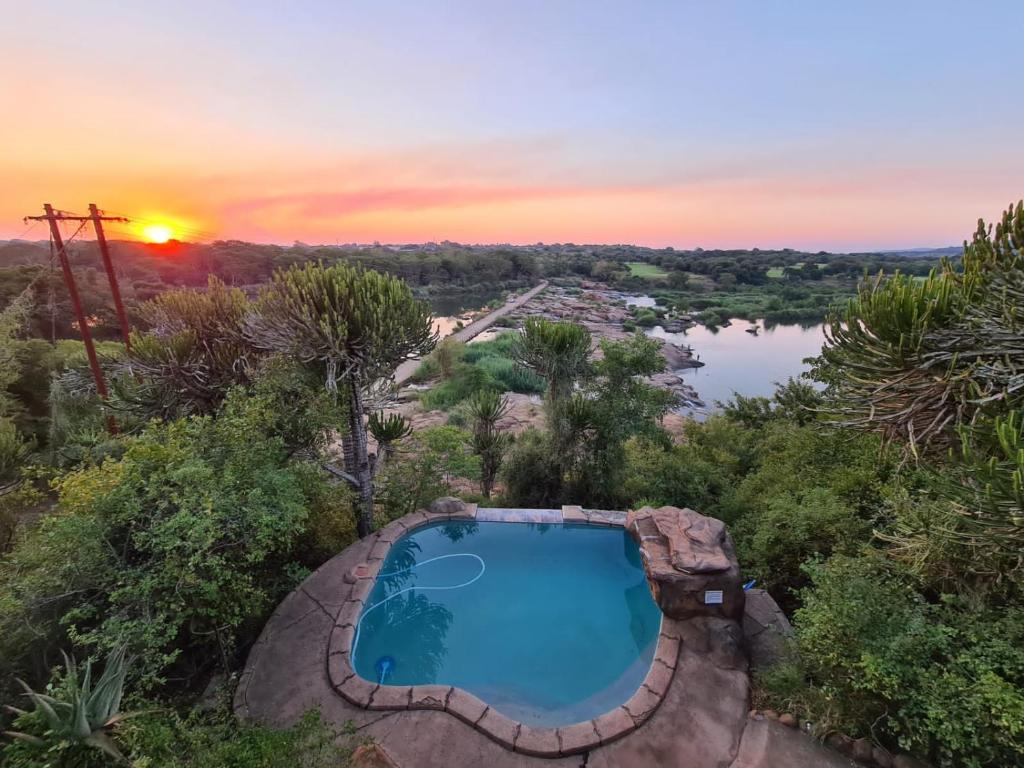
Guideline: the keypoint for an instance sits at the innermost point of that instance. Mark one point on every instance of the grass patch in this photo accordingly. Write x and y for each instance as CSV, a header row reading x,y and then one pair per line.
x,y
486,365
645,270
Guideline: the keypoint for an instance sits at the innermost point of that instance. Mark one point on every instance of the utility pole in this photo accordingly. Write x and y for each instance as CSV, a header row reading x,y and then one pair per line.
x,y
52,218
101,240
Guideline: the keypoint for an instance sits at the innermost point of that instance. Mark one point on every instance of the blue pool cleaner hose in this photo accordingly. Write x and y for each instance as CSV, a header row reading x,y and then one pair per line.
x,y
355,643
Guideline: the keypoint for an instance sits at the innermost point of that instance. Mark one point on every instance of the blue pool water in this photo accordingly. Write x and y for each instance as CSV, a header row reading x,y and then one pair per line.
x,y
549,624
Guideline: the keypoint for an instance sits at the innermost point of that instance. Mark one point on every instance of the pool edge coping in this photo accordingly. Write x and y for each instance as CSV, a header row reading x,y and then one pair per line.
x,y
513,735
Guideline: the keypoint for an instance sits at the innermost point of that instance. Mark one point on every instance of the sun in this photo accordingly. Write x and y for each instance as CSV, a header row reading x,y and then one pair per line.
x,y
157,233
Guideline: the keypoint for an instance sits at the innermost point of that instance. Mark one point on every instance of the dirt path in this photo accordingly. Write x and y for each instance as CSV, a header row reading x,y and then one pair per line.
x,y
406,369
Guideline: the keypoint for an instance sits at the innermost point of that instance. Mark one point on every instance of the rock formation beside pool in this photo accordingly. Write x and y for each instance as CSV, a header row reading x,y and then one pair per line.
x,y
690,562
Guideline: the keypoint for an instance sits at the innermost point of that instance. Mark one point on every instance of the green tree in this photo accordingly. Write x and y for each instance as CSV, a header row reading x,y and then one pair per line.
x,y
914,359
560,352
935,365
175,548
431,460
192,354
12,320
486,408
616,403
354,327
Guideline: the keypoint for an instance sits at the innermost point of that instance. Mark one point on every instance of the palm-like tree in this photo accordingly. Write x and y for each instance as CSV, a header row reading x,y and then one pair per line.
x,y
354,327
486,408
560,352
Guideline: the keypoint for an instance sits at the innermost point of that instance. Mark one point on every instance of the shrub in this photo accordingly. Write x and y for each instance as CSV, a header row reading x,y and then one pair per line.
x,y
939,679
531,472
485,366
425,467
80,713
163,738
174,549
792,528
512,377
646,318
466,380
678,476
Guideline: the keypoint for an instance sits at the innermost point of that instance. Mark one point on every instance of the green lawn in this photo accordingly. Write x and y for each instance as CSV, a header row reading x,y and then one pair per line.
x,y
777,272
641,269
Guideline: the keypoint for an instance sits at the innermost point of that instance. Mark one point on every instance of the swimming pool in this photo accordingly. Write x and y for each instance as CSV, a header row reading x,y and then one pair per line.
x,y
549,624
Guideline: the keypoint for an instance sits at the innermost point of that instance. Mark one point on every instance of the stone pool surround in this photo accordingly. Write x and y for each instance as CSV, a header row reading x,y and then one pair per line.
x,y
518,737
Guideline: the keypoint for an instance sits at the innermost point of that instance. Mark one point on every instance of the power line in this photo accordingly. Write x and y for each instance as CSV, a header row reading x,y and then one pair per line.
x,y
191,231
32,225
54,219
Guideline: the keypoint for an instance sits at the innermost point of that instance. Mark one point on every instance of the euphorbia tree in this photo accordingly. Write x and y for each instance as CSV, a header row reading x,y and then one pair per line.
x,y
355,326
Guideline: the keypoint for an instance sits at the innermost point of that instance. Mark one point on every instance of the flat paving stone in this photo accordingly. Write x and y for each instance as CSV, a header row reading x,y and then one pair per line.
x,y
437,740
465,706
429,696
767,744
500,515
572,514
642,704
540,742
357,691
613,725
667,651
391,697
577,738
699,722
659,678
498,727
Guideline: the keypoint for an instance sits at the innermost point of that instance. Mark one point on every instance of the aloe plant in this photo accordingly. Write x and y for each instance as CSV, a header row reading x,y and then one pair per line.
x,y
84,714
387,430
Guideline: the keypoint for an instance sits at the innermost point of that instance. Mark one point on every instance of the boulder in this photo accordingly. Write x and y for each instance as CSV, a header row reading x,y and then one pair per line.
x,y
862,749
766,629
447,505
906,761
840,742
690,562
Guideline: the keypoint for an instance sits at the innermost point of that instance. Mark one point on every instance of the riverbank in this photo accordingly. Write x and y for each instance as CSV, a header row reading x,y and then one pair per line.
x,y
605,314
602,311
478,326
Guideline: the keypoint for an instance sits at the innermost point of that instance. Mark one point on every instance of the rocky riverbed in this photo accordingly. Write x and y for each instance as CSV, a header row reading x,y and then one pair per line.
x,y
603,312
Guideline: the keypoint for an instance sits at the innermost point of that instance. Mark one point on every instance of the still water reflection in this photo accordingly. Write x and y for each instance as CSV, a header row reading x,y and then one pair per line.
x,y
737,361
449,311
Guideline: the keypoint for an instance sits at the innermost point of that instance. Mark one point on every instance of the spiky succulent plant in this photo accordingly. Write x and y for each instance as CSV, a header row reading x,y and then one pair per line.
x,y
82,713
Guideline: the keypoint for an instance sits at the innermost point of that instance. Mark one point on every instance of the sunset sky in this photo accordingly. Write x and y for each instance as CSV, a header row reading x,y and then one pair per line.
x,y
809,124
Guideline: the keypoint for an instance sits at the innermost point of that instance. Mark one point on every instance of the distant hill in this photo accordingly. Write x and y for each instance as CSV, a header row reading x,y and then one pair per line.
x,y
952,250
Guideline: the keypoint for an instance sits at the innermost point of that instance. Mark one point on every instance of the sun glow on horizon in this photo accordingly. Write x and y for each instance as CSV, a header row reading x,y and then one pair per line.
x,y
157,233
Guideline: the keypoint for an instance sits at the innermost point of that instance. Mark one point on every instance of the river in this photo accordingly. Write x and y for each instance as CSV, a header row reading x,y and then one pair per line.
x,y
737,361
449,311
